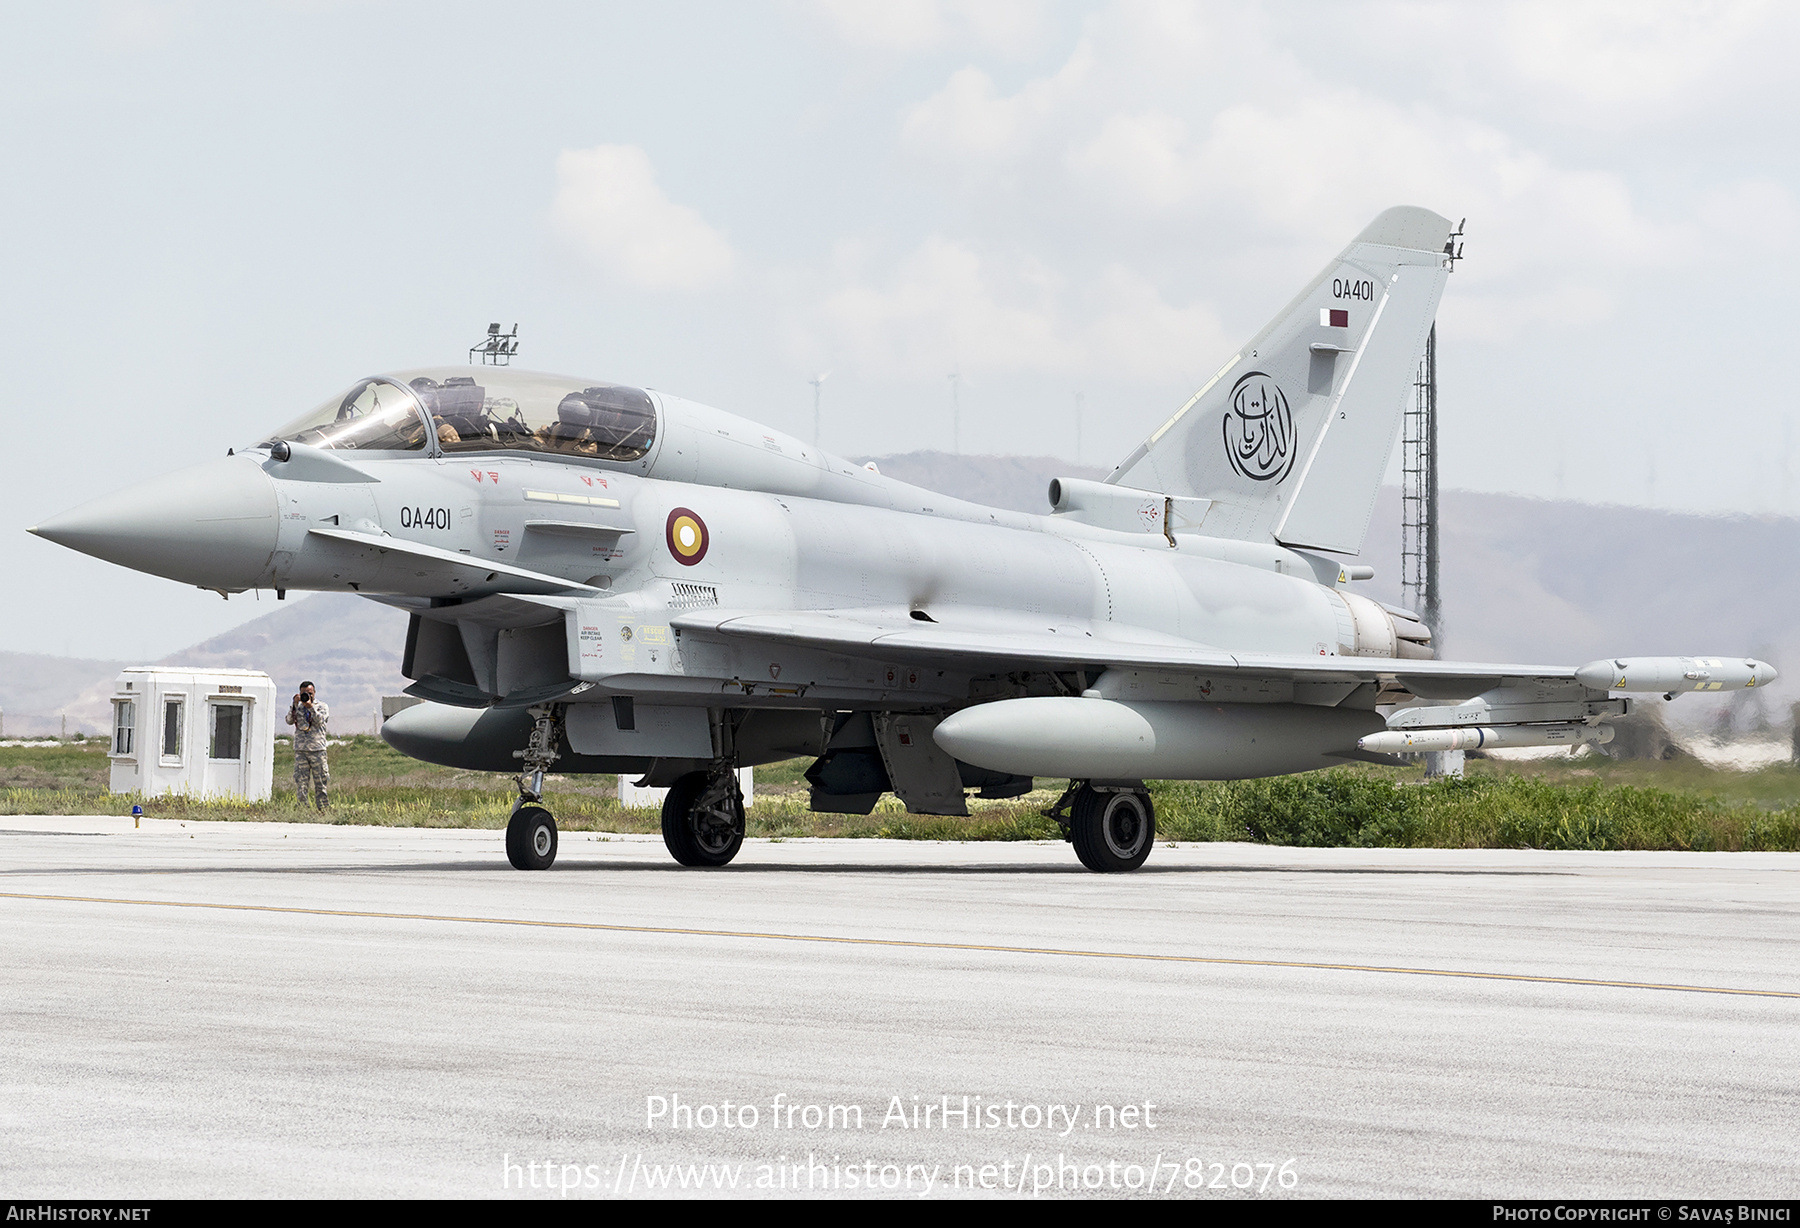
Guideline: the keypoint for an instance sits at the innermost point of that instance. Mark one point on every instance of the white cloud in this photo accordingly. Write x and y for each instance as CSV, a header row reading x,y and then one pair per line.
x,y
1758,213
610,209
1332,161
1138,203
1141,161
142,25
1007,26
948,306
1612,53
1190,121
1500,315
968,119
943,309
1136,335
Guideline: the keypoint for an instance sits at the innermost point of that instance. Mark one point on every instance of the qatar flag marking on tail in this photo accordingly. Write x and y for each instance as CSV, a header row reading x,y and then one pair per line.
x,y
1333,317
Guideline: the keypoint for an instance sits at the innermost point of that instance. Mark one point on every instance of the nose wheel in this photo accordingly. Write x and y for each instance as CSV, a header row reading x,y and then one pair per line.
x,y
703,818
531,839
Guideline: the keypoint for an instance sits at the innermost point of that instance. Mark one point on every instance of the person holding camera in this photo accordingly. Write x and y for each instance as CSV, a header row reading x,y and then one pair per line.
x,y
308,717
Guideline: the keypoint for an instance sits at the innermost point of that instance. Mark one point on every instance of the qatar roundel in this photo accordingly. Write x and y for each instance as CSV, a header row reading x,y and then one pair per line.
x,y
687,536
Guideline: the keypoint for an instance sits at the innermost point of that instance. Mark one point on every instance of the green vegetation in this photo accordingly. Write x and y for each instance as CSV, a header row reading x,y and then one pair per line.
x,y
1587,803
1354,809
372,783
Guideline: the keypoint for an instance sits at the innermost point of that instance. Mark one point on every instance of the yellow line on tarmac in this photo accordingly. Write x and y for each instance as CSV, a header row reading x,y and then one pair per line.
x,y
772,936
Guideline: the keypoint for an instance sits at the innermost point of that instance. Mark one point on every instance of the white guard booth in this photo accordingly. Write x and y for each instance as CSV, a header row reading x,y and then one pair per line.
x,y
203,732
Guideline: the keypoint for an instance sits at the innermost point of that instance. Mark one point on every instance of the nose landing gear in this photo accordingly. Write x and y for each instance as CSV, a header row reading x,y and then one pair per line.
x,y
531,832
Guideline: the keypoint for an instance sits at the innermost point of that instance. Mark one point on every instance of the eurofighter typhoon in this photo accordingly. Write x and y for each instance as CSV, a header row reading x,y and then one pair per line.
x,y
603,578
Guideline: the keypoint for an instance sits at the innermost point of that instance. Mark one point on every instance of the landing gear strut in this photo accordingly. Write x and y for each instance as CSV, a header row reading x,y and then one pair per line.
x,y
531,833
1113,827
703,818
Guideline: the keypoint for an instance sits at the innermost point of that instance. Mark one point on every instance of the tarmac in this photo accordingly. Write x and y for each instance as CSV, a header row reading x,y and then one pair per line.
x,y
264,1009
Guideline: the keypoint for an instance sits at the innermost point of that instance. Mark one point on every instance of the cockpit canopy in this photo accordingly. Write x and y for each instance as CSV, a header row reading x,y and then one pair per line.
x,y
462,409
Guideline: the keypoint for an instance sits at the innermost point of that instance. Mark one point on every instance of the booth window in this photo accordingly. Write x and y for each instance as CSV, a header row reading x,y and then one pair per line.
x,y
227,731
171,730
124,722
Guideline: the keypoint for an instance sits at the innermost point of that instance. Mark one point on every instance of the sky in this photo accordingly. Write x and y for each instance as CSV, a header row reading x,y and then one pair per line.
x,y
217,215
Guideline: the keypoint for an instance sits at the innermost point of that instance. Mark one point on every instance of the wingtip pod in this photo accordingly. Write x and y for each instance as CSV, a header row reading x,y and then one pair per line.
x,y
1672,675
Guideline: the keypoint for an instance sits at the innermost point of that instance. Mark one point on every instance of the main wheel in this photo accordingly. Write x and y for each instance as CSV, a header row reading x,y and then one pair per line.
x,y
1112,831
531,839
703,819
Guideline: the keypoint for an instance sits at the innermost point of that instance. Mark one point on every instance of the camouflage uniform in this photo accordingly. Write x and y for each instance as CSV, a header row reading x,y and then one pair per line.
x,y
310,769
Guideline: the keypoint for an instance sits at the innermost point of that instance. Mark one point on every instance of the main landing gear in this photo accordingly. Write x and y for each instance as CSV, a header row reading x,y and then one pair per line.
x,y
703,818
1113,827
531,833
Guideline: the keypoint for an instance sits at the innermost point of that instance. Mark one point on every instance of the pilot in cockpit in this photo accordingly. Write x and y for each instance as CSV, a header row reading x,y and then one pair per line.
x,y
456,407
597,422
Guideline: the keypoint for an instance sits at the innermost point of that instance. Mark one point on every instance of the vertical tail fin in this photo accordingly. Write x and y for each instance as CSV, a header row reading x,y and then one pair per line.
x,y
1291,438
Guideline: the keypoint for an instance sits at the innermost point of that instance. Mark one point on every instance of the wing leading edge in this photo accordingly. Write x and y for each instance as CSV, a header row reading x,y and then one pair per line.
x,y
1005,641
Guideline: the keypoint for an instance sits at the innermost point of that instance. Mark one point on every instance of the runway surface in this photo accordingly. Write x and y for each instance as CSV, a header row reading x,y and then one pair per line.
x,y
249,1009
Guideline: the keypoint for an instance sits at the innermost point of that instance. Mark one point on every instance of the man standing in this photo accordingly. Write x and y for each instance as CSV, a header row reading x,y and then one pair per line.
x,y
308,718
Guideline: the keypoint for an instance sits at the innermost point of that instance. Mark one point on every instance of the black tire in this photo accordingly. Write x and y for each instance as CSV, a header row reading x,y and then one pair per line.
x,y
1112,832
703,825
531,839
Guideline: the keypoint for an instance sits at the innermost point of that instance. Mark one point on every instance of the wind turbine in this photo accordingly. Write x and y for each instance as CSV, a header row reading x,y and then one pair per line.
x,y
816,381
955,413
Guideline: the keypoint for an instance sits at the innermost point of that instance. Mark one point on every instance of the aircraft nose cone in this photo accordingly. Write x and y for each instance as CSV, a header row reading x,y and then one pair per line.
x,y
213,525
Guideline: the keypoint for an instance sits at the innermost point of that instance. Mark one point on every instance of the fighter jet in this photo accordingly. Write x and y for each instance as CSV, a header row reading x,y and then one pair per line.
x,y
603,578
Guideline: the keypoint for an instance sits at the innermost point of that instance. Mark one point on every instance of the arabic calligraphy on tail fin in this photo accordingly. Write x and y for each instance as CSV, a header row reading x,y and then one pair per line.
x,y
1292,436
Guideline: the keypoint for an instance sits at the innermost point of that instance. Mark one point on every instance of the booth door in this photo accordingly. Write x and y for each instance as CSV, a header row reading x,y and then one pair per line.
x,y
228,740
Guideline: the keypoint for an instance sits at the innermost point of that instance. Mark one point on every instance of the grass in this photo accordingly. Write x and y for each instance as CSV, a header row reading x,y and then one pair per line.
x,y
1353,809
371,783
1587,803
